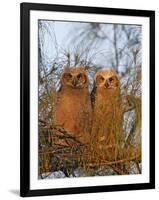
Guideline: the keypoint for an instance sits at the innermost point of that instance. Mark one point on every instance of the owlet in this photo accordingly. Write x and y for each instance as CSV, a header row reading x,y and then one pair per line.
x,y
73,105
107,109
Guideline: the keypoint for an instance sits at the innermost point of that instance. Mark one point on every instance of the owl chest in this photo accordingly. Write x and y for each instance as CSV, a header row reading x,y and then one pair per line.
x,y
70,103
69,111
107,106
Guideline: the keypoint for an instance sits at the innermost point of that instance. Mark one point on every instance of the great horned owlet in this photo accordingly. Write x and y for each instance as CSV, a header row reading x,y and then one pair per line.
x,y
73,105
107,110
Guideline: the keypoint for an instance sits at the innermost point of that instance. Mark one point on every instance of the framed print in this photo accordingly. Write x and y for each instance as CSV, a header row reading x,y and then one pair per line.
x,y
87,99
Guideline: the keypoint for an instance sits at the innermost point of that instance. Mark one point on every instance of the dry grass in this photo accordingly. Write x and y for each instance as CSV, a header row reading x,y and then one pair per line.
x,y
59,150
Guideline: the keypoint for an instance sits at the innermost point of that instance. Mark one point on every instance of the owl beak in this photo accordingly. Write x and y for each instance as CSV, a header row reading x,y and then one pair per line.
x,y
107,84
74,82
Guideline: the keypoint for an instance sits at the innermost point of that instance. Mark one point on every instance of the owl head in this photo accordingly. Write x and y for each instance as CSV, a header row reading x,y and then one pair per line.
x,y
74,77
107,79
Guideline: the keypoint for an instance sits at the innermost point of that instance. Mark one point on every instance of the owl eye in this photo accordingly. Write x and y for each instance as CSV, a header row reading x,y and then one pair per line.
x,y
99,79
114,80
82,78
67,76
110,79
79,76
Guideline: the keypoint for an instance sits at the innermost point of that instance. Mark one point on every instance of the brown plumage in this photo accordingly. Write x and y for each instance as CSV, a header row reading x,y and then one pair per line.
x,y
107,109
73,105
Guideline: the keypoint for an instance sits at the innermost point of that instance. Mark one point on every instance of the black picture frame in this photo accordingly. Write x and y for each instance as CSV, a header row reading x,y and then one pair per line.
x,y
25,9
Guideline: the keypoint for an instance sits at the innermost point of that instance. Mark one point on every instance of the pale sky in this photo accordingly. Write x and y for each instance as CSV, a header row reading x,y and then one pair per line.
x,y
62,33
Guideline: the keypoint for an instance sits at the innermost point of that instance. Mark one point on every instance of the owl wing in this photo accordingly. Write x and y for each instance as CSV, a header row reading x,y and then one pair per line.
x,y
93,93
